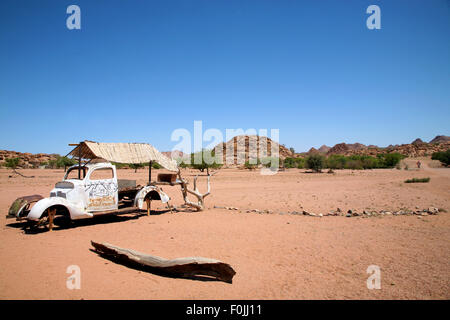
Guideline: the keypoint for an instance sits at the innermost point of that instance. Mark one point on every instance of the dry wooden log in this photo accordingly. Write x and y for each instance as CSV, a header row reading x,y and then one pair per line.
x,y
190,267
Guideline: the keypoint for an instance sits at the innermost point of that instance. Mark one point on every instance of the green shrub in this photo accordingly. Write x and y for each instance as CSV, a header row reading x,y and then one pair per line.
x,y
336,161
355,165
201,155
270,162
315,162
251,166
390,160
301,163
156,165
417,180
442,156
294,163
12,163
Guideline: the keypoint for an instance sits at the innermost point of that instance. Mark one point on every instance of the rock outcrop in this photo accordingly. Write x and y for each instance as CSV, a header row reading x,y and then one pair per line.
x,y
26,160
417,148
242,148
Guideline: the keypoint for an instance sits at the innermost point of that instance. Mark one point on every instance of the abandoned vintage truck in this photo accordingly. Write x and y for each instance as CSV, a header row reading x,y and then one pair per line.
x,y
92,188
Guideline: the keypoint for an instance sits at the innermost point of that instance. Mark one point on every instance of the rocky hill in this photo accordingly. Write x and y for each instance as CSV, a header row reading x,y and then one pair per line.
x,y
241,148
440,139
417,148
26,160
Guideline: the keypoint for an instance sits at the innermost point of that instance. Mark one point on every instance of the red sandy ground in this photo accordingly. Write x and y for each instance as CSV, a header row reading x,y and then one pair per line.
x,y
276,256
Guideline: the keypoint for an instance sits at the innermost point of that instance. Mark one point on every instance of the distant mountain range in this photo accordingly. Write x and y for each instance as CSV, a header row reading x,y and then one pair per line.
x,y
417,148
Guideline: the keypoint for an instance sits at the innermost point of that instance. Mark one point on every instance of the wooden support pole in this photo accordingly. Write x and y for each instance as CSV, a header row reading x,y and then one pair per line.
x,y
149,204
150,172
51,216
79,161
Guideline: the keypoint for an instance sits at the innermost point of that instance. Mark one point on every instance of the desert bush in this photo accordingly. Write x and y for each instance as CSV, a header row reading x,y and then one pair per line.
x,y
203,165
390,160
61,162
251,166
301,163
336,161
270,162
442,156
418,180
294,163
359,162
315,162
354,164
120,165
156,165
12,163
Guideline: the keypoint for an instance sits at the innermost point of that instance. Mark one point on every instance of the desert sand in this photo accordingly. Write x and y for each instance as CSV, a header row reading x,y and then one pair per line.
x,y
275,256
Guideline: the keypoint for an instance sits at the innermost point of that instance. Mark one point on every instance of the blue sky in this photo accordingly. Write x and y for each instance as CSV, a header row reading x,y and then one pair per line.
x,y
137,70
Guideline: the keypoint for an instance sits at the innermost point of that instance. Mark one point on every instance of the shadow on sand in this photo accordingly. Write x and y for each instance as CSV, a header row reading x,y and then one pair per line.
x,y
63,223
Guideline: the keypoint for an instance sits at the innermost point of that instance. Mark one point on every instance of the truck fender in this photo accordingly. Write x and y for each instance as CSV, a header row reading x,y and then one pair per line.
x,y
42,205
140,196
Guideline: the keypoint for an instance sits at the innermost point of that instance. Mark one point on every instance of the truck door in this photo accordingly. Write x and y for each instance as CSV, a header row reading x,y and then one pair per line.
x,y
101,189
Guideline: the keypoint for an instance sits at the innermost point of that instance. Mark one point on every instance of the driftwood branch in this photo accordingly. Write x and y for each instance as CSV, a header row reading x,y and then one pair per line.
x,y
16,172
183,267
200,204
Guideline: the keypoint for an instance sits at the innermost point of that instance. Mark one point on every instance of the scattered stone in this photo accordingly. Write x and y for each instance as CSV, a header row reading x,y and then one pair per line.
x,y
219,207
433,210
320,215
339,210
348,215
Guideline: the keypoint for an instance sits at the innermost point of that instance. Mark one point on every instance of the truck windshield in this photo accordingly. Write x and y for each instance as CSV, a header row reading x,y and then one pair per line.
x,y
73,173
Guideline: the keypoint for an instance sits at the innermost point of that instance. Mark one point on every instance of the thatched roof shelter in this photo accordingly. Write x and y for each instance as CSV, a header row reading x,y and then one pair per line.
x,y
123,153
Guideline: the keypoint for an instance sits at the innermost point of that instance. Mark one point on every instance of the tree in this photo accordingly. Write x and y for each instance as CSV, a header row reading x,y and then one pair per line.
x,y
198,161
390,160
12,163
292,150
442,156
136,166
315,162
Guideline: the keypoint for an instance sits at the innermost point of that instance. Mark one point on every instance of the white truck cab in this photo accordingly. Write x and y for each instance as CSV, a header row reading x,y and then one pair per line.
x,y
87,190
